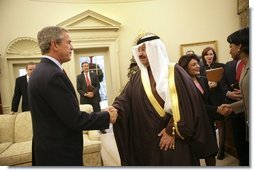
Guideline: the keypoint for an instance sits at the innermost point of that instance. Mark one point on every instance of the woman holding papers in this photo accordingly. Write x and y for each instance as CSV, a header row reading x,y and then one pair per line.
x,y
209,59
211,65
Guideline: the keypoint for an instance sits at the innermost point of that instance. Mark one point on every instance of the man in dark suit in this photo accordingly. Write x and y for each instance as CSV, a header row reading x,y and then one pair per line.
x,y
21,90
88,86
56,116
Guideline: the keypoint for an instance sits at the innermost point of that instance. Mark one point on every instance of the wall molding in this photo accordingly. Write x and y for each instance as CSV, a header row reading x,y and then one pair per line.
x,y
23,46
90,32
91,1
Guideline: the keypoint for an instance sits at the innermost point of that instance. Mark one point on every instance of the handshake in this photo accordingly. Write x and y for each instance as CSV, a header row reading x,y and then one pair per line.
x,y
224,109
112,114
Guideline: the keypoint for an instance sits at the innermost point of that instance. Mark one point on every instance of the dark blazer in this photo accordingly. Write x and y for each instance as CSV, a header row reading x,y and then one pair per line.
x,y
20,90
216,94
237,120
82,89
228,78
210,108
56,118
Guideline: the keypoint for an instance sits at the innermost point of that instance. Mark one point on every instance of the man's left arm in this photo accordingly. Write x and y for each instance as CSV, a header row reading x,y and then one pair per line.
x,y
96,83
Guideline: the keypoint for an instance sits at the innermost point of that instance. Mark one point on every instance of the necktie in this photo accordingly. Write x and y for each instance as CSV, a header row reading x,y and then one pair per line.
x,y
239,70
87,80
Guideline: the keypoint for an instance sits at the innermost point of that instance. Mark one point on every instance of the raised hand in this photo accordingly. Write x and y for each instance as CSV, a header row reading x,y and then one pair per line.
x,y
112,113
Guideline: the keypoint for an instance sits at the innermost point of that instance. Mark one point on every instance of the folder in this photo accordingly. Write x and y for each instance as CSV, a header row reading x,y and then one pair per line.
x,y
214,74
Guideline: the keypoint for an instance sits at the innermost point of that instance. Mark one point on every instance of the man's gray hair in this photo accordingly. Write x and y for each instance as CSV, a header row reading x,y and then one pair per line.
x,y
46,35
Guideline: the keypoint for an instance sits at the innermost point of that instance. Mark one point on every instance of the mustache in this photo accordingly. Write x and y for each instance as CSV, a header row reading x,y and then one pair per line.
x,y
141,56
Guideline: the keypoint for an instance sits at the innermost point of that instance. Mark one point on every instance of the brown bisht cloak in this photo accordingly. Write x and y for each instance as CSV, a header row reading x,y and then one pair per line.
x,y
138,124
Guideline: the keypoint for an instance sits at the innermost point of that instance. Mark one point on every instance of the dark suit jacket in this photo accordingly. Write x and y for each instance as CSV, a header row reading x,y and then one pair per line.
x,y
20,90
210,107
216,94
82,89
56,117
228,78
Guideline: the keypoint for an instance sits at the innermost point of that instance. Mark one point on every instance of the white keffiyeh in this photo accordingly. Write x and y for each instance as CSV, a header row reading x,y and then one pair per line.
x,y
159,61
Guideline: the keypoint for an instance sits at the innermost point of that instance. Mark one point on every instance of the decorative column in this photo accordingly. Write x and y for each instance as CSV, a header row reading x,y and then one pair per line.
x,y
1,106
243,12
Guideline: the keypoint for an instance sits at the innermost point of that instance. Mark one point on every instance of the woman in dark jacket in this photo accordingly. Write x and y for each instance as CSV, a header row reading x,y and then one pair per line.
x,y
209,58
190,63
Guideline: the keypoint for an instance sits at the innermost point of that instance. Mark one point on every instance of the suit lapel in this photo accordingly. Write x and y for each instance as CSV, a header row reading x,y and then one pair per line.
x,y
232,72
244,73
91,78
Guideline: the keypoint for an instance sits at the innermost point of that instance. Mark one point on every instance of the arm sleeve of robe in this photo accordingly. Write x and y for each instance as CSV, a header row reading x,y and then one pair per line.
x,y
121,128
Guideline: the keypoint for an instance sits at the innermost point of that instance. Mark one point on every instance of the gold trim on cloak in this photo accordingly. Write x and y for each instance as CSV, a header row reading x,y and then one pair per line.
x,y
174,97
173,92
152,99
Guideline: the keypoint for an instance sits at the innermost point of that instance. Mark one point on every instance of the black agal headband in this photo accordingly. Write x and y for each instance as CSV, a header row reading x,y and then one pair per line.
x,y
147,39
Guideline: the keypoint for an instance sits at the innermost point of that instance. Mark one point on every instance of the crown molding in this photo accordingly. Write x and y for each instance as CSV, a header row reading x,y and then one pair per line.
x,y
90,20
23,46
91,1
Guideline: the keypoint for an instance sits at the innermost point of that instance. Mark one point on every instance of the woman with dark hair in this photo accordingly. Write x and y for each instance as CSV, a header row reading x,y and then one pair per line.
x,y
190,63
239,48
240,39
209,58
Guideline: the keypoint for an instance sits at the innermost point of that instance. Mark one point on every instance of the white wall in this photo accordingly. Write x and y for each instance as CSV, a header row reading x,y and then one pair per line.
x,y
175,21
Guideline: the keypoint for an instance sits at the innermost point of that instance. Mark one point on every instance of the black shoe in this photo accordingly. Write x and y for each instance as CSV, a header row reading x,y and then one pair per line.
x,y
220,156
103,131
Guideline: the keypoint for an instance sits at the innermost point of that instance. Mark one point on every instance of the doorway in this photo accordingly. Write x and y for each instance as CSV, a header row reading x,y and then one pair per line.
x,y
19,70
96,65
98,60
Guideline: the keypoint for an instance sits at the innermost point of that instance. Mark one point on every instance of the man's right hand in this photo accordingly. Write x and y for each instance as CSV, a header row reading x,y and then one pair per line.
x,y
167,141
112,113
224,109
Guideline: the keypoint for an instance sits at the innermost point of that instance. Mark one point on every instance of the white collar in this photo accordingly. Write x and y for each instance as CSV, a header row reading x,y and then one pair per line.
x,y
53,60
